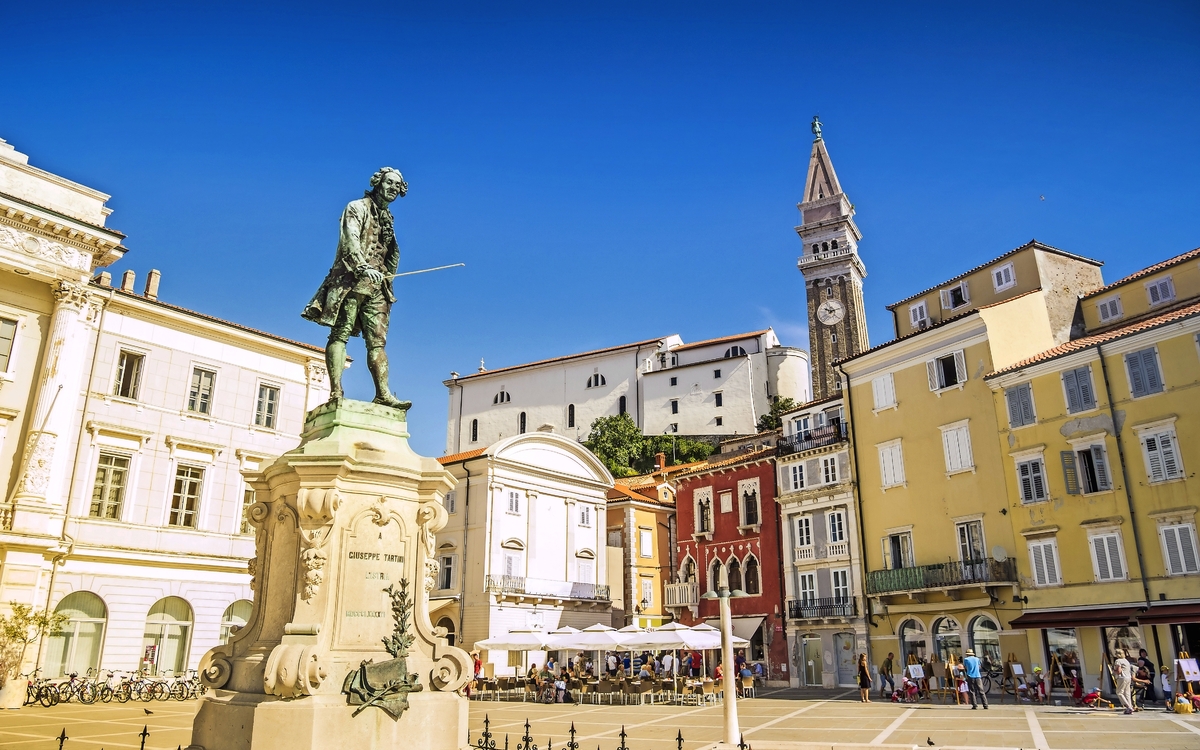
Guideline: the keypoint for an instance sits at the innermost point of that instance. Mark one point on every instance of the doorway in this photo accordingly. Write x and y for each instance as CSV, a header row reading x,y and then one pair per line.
x,y
847,667
811,656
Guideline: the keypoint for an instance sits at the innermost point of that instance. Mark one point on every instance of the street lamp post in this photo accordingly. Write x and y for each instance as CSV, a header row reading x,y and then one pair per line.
x,y
733,730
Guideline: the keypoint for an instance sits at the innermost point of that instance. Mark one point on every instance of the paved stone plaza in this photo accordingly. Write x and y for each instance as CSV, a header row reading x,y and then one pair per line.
x,y
774,720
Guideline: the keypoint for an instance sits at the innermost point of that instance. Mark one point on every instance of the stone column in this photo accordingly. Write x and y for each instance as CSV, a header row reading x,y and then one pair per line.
x,y
41,490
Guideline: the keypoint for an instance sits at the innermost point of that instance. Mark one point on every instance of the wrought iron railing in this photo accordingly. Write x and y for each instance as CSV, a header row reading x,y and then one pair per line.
x,y
826,607
834,432
950,574
542,587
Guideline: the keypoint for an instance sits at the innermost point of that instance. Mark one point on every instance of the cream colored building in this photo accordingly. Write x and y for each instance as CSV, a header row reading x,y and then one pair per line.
x,y
125,422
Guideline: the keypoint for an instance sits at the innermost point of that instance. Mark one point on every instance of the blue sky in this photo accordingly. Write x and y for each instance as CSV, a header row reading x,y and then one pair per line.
x,y
609,172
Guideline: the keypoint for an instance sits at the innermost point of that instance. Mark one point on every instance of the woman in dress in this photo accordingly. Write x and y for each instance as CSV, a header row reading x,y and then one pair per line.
x,y
864,679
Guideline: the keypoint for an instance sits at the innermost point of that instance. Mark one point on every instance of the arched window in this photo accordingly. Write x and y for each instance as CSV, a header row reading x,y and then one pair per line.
x,y
502,397
750,508
913,641
816,248
236,616
448,624
474,430
947,639
76,647
735,351
621,405
985,638
824,246
570,415
833,245
714,576
521,424
704,516
168,636
735,574
752,581
687,571
595,381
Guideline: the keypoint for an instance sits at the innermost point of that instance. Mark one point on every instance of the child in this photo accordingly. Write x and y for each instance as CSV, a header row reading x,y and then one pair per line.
x,y
1076,688
910,688
1093,700
1165,681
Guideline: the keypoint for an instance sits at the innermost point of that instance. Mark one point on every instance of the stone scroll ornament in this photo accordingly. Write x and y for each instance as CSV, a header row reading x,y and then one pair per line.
x,y
387,684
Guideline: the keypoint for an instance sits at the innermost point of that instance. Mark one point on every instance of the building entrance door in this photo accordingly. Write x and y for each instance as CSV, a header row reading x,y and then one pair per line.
x,y
811,656
843,646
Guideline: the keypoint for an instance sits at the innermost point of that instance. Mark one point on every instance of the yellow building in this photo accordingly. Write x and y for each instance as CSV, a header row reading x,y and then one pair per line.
x,y
1099,437
939,549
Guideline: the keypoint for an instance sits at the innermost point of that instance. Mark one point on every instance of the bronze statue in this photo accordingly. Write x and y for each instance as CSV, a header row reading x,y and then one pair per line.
x,y
356,297
816,127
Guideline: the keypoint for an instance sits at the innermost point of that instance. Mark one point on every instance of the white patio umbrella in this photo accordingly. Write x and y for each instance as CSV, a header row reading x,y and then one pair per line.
x,y
516,640
592,638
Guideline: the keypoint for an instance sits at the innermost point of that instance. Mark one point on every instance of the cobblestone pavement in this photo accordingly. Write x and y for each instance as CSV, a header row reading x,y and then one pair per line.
x,y
776,719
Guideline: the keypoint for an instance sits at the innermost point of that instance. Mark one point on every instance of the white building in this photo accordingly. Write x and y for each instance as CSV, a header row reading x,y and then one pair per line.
x,y
525,544
124,424
715,387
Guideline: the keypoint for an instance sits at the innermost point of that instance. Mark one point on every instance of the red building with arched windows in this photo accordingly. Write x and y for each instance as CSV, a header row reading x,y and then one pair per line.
x,y
727,516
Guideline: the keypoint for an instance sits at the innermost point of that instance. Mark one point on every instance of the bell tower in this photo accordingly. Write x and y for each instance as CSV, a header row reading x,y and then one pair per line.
x,y
833,272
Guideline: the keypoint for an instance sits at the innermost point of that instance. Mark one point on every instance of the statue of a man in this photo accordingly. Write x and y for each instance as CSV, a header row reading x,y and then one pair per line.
x,y
356,296
816,126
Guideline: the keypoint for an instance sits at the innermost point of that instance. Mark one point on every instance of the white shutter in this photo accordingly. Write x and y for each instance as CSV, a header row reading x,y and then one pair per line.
x,y
945,295
960,366
1166,445
884,391
1179,543
931,370
1102,482
1038,559
586,571
1107,551
1100,552
1170,535
1051,563
1113,542
966,291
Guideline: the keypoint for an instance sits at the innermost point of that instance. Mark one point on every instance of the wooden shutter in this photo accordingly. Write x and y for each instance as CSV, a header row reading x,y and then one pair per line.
x,y
931,370
1071,384
1102,479
1150,371
1154,459
1070,474
960,366
1083,377
1013,398
1023,473
1174,559
887,553
1137,380
1038,557
1107,551
1187,549
1039,480
1025,395
1170,461
966,291
945,295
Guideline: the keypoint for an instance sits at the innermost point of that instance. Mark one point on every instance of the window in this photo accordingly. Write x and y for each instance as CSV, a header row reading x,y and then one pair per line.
x,y
1160,291
1161,456
674,380
200,395
474,430
1110,309
833,338
1020,405
716,373
956,447
1107,561
1044,558
674,406
714,576
521,423
446,572
804,531
829,469
647,593
268,407
734,351
621,405
837,527
751,576
797,476
841,585
595,381
587,571
720,421
704,515
645,543
450,501
514,501
247,501
970,541
570,415
502,397
918,316
236,615
585,515
750,508
8,334
673,427
956,296
883,388
167,638
1179,548
189,480
1078,386
1144,376
111,475
129,374
1085,470
891,464
1031,479
735,574
512,565
1003,277
808,588
947,371
719,399
898,551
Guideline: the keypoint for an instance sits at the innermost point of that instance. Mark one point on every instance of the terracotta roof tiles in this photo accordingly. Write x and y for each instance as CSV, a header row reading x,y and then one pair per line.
x,y
721,340
510,368
1190,254
454,458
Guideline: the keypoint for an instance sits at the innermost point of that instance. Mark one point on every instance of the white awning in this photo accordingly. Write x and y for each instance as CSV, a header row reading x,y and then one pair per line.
x,y
743,627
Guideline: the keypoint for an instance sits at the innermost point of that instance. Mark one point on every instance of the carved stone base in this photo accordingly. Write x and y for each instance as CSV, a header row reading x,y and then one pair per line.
x,y
239,721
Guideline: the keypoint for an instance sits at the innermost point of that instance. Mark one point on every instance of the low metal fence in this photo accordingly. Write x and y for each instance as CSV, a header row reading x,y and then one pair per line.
x,y
490,741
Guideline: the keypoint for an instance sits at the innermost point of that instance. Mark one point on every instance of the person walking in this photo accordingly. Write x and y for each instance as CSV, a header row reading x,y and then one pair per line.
x,y
864,679
885,675
971,666
1123,680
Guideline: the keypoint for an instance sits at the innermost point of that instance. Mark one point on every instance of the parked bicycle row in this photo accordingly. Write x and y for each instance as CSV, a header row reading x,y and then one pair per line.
x,y
109,685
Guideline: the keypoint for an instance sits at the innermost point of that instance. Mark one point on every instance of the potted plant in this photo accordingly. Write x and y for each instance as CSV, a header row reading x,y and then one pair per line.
x,y
17,631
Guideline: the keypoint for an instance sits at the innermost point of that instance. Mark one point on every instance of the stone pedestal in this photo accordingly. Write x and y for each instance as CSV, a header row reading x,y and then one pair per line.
x,y
349,513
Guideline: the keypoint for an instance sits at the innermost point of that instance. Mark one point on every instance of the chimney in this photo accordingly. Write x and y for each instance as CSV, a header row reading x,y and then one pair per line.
x,y
152,280
104,279
127,280
660,461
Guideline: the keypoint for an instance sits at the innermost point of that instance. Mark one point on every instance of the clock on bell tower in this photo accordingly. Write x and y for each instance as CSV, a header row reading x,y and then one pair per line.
x,y
833,272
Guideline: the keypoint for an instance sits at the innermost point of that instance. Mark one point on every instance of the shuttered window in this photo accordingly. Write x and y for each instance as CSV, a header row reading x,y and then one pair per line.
x,y
956,446
1003,278
1162,456
1020,405
891,464
1031,478
1179,548
1106,557
883,388
947,371
1144,377
1043,557
1160,291
1110,309
1078,386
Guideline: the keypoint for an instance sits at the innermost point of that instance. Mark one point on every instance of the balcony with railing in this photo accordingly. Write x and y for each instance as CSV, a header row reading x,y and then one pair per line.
x,y
810,258
819,437
519,587
830,551
827,608
953,574
686,594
